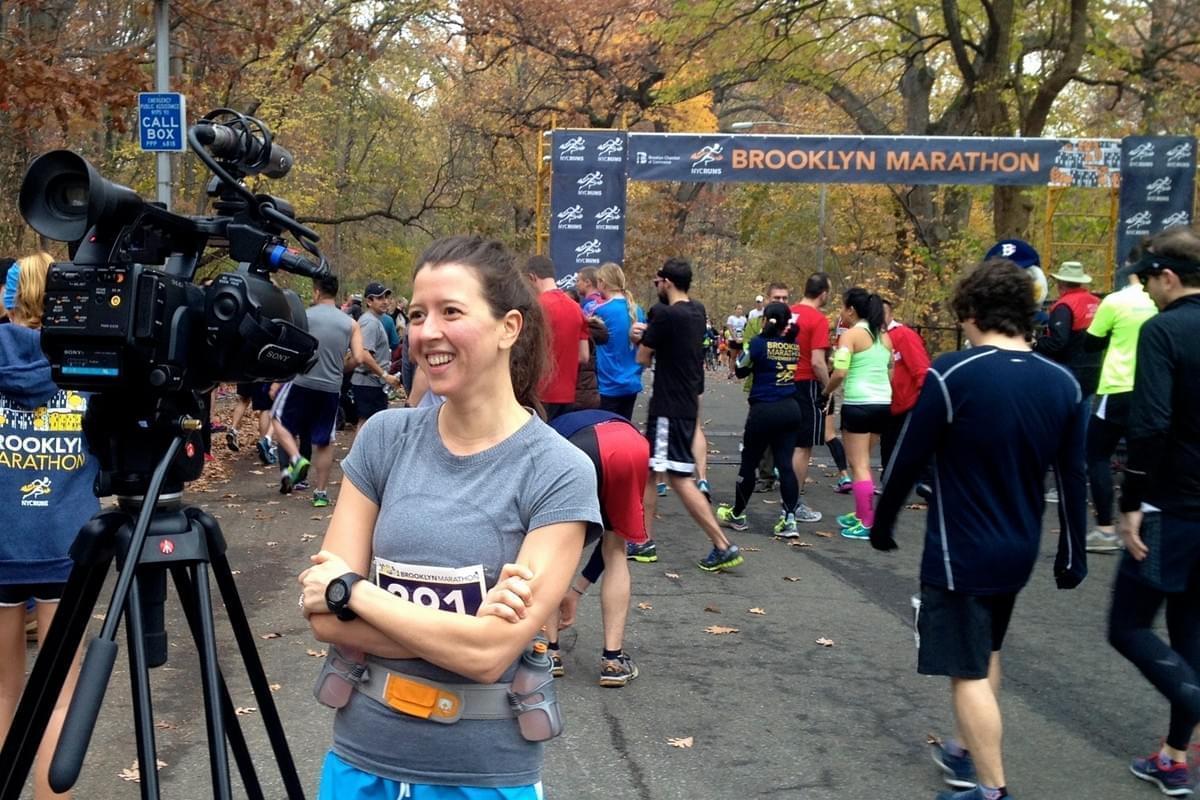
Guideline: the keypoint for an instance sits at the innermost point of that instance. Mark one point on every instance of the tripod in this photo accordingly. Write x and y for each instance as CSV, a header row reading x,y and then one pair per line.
x,y
150,537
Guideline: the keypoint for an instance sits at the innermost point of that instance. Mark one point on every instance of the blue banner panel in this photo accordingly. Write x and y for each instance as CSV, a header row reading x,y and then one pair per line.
x,y
1158,176
587,199
874,159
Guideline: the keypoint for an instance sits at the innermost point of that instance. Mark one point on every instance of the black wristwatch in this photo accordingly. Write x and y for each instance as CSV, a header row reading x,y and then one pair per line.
x,y
337,595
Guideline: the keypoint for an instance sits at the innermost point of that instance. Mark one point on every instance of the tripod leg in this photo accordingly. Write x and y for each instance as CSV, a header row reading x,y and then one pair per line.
x,y
92,553
211,678
249,651
237,739
139,675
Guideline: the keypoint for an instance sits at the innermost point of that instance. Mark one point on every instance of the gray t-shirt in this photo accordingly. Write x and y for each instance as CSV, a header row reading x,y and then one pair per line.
x,y
333,328
375,340
442,510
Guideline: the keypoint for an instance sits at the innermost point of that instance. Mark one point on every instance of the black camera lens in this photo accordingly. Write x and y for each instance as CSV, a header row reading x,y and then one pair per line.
x,y
67,195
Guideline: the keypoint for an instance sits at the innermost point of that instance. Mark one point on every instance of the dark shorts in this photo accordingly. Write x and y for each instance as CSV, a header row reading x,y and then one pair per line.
x,y
369,401
671,444
1174,557
259,395
734,346
619,404
957,633
18,594
307,413
812,417
865,419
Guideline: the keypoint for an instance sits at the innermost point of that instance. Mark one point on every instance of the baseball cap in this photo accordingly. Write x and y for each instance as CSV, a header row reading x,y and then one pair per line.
x,y
758,298
676,271
1018,251
1154,263
375,289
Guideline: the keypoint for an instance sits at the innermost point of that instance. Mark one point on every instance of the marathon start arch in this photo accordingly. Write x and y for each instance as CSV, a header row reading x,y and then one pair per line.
x,y
591,170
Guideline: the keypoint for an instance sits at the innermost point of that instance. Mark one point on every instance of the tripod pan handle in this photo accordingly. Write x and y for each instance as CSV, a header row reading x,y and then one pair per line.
x,y
81,716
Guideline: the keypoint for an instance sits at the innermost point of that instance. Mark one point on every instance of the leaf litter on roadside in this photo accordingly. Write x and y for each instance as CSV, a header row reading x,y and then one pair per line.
x,y
825,642
644,606
758,612
720,630
683,742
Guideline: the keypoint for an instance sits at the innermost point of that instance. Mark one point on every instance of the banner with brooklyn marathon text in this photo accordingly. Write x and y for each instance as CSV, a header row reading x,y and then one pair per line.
x,y
587,199
1093,163
1158,177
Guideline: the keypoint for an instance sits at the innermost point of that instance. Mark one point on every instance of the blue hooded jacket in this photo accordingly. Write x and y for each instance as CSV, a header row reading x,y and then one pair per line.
x,y
46,472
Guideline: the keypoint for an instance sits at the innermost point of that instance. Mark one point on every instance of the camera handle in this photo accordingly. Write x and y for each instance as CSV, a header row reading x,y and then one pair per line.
x,y
184,542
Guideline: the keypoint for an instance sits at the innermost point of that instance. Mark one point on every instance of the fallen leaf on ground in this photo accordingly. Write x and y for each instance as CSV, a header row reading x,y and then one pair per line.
x,y
916,506
645,606
257,472
133,774
99,616
242,711
714,452
658,516
162,724
316,653
931,739
791,578
824,642
822,534
758,611
720,630
228,496
751,549
684,742
801,544
272,544
672,575
235,572
712,609
810,480
271,635
770,502
307,537
274,687
316,516
273,502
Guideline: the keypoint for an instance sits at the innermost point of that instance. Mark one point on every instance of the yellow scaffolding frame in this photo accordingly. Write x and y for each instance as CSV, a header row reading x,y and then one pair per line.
x,y
1054,195
541,203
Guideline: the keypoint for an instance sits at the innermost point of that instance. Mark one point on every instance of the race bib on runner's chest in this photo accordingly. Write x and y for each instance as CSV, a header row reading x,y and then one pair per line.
x,y
460,589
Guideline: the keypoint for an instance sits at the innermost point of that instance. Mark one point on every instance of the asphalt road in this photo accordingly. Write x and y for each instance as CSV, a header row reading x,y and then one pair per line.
x,y
770,712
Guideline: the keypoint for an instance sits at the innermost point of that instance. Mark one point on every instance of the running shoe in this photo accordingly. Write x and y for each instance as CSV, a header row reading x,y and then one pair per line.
x,y
556,665
702,485
960,770
848,520
786,527
726,517
764,485
661,488
320,499
806,514
231,441
264,450
216,426
1100,542
645,552
273,454
856,531
292,474
968,794
1052,496
616,672
720,559
301,486
1171,777
844,485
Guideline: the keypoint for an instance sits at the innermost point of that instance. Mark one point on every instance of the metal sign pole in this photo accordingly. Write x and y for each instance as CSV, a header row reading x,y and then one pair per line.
x,y
162,83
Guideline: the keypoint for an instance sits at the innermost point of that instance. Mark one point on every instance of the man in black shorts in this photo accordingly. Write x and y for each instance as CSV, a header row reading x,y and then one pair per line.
x,y
812,373
984,523
254,397
673,341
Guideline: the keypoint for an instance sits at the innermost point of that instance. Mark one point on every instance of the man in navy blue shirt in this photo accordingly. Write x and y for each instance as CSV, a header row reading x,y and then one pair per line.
x,y
991,420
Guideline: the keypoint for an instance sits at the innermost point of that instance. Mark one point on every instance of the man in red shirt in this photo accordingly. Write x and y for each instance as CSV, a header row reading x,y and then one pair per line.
x,y
567,330
911,362
812,374
1070,317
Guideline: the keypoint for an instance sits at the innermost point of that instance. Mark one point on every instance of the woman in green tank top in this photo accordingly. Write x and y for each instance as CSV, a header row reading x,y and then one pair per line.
x,y
862,366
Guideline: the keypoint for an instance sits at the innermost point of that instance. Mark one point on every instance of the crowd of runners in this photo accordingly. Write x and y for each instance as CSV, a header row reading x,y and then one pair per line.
x,y
519,447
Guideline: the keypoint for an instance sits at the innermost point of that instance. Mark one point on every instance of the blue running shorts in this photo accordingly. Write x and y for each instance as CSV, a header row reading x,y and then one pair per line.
x,y
340,781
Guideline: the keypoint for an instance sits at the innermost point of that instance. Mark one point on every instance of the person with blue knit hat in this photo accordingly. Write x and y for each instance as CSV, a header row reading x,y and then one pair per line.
x,y
1025,256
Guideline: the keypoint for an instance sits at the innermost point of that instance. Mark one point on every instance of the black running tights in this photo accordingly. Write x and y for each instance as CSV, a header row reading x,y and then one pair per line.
x,y
772,425
1172,669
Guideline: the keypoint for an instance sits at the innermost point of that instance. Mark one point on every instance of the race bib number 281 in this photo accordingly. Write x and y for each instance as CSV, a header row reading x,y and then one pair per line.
x,y
460,590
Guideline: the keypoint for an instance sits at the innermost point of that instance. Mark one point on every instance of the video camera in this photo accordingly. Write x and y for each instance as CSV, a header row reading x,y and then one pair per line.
x,y
124,319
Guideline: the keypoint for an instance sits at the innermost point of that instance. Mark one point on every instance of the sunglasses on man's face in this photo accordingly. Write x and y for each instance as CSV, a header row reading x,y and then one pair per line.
x,y
1144,277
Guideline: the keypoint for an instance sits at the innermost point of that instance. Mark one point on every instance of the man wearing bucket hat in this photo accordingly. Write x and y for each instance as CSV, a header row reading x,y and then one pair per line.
x,y
1066,332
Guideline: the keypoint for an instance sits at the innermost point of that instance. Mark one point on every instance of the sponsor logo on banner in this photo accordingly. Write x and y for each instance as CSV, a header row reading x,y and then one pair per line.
x,y
569,218
572,149
1159,191
591,185
1178,218
611,150
1138,224
1180,156
588,252
1142,155
609,219
704,159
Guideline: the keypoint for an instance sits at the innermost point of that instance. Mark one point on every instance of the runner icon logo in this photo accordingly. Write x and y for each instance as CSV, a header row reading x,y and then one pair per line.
x,y
35,489
1138,224
1178,218
608,219
1159,191
1180,155
611,150
572,149
1142,155
591,184
709,154
568,218
589,248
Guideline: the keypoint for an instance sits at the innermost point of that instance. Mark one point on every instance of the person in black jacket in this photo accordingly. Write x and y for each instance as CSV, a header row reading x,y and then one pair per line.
x,y
1160,502
1066,334
992,420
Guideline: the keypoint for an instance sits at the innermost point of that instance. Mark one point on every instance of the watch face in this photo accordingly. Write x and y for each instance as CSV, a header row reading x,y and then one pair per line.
x,y
337,591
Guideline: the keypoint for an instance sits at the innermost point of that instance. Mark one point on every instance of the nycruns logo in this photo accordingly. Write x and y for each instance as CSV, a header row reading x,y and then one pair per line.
x,y
1143,152
589,248
568,218
591,184
1178,218
709,154
1179,154
608,218
1139,223
570,149
35,489
1159,190
611,150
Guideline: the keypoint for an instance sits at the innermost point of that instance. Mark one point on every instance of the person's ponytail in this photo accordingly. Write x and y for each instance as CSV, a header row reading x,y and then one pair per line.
x,y
868,307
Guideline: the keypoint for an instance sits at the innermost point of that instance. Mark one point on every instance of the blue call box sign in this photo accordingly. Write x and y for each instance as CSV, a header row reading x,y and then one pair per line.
x,y
162,121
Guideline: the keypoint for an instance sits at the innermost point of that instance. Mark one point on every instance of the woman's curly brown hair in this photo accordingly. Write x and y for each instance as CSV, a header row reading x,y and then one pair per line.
x,y
998,296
